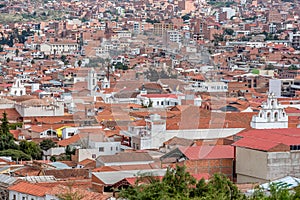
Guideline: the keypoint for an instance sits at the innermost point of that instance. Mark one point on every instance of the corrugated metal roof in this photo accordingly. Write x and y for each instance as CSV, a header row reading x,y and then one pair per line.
x,y
287,182
8,180
38,179
60,165
110,178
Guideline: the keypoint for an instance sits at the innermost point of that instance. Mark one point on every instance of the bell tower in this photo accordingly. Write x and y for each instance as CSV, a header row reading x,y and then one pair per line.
x,y
271,115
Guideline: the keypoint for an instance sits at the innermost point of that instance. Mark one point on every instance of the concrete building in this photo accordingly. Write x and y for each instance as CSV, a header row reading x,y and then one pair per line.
x,y
264,155
295,39
281,87
40,107
174,36
59,48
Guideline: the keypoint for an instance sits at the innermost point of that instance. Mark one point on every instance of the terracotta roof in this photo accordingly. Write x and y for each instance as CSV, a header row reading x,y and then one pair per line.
x,y
88,162
29,188
266,139
69,141
179,141
68,173
83,194
208,152
12,114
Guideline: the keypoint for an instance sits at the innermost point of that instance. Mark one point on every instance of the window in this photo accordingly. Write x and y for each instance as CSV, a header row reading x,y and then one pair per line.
x,y
101,149
276,116
117,149
269,116
14,197
111,148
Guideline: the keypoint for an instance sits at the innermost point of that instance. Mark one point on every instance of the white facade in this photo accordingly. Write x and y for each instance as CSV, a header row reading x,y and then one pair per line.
x,y
272,115
13,195
229,12
159,101
34,110
99,149
123,34
210,86
17,89
275,87
174,36
59,48
68,132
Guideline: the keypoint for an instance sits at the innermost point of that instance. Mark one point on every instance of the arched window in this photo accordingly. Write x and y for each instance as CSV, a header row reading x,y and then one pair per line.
x,y
269,116
276,116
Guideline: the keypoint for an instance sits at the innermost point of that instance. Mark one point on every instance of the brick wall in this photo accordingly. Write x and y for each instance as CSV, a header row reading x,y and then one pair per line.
x,y
97,185
211,167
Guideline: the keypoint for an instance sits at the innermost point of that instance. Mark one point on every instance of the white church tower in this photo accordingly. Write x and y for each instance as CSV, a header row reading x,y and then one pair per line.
x,y
272,115
17,89
92,81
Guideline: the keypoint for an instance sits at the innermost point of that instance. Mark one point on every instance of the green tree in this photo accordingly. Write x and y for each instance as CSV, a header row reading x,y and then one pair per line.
x,y
220,187
228,31
69,152
47,144
31,148
150,105
120,65
6,138
293,67
179,184
270,67
17,52
176,184
15,154
186,17
79,63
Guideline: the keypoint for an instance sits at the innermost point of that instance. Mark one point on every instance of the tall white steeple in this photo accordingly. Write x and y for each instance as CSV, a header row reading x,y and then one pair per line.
x,y
92,80
272,115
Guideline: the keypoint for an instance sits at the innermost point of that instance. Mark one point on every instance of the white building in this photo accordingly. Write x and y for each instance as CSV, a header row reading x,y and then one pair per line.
x,y
123,34
17,89
294,38
210,86
154,133
272,115
174,36
40,107
59,48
